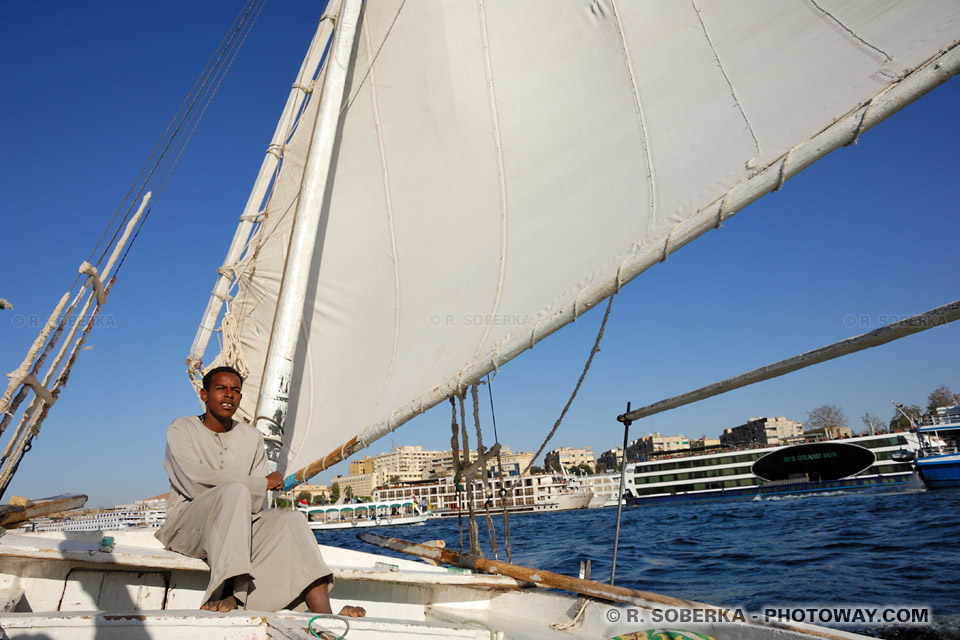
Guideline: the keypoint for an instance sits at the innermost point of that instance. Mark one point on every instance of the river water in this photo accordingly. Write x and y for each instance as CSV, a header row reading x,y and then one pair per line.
x,y
888,548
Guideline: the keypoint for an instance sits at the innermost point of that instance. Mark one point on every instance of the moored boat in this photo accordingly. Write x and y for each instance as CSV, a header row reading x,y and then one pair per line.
x,y
835,465
939,459
527,494
605,488
364,515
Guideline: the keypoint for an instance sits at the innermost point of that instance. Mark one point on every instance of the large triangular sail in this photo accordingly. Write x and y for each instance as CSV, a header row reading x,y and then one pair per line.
x,y
503,166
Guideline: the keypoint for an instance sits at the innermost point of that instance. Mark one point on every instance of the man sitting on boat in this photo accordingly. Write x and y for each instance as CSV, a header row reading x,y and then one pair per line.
x,y
260,559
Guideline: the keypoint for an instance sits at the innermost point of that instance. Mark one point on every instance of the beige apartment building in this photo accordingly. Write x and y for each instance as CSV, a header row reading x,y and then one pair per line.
x,y
362,466
566,457
441,465
763,431
704,443
654,444
362,484
513,463
404,463
612,459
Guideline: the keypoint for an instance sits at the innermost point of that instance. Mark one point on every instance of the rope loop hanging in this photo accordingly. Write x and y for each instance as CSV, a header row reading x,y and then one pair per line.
x,y
576,389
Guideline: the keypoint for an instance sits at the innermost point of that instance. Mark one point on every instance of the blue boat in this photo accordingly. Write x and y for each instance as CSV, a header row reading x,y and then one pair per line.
x,y
939,459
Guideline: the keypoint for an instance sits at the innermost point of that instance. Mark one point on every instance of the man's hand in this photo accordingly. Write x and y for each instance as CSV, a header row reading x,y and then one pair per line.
x,y
351,611
275,481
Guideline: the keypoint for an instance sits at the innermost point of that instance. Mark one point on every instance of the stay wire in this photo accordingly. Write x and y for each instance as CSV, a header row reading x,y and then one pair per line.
x,y
204,74
166,172
192,118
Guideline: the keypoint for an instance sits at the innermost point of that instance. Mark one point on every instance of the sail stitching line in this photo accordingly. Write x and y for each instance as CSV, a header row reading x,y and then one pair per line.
x,y
388,202
501,173
642,121
373,58
848,34
723,72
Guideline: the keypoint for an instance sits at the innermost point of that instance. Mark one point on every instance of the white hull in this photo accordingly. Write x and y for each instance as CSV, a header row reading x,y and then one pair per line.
x,y
366,524
59,587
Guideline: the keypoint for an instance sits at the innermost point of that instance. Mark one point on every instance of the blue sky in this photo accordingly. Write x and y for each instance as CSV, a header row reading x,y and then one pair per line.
x,y
866,236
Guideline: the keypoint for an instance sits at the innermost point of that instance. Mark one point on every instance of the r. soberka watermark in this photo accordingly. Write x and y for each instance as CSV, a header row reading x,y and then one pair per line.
x,y
481,320
842,615
36,321
866,321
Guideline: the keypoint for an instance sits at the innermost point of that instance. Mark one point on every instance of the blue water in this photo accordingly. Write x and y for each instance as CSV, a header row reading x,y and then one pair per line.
x,y
896,548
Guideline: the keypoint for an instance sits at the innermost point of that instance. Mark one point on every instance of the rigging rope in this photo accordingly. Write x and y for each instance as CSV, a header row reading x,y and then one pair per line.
x,y
191,118
503,479
472,521
455,455
586,367
486,484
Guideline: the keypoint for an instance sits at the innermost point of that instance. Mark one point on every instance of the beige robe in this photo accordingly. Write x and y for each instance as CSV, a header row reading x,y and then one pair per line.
x,y
215,512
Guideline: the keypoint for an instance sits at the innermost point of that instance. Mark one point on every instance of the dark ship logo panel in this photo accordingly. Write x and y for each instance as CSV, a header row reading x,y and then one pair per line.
x,y
817,462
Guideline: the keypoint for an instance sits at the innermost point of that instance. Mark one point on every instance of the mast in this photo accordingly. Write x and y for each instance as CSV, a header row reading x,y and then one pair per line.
x,y
275,387
302,88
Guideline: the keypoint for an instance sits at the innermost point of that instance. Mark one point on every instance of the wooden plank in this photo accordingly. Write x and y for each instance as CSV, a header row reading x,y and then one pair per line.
x,y
13,514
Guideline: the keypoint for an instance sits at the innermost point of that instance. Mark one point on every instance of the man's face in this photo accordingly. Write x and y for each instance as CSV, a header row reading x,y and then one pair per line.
x,y
223,396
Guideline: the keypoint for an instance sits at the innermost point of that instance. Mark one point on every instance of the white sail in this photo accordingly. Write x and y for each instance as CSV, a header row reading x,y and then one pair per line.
x,y
502,166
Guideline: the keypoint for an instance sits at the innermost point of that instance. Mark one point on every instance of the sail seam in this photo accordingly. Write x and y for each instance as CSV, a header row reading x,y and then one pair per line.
x,y
642,121
501,174
723,72
848,34
373,58
388,202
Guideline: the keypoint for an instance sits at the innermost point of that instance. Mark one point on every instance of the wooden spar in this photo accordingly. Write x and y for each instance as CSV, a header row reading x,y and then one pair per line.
x,y
551,580
921,322
315,467
13,514
349,448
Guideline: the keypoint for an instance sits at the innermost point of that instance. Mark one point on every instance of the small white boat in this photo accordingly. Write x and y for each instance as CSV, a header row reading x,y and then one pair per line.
x,y
529,494
364,514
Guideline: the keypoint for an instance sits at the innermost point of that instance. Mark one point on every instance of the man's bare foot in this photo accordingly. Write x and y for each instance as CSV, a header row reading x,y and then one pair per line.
x,y
350,611
223,606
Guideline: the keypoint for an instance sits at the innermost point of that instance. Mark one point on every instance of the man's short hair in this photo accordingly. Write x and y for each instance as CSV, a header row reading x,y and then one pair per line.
x,y
208,376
